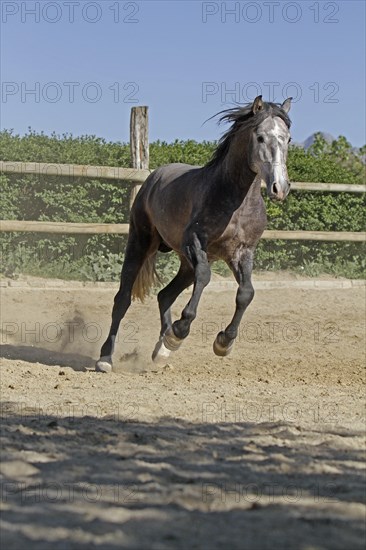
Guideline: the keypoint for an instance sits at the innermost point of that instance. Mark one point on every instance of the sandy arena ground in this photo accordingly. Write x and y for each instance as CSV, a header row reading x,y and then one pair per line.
x,y
260,450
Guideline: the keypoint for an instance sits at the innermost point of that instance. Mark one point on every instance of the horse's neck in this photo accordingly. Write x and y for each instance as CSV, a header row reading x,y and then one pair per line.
x,y
240,178
236,166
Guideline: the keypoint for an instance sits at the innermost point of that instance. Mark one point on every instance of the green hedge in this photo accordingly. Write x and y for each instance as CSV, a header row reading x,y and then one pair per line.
x,y
86,200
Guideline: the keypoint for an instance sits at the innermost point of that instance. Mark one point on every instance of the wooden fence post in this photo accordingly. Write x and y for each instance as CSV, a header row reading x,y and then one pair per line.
x,y
139,143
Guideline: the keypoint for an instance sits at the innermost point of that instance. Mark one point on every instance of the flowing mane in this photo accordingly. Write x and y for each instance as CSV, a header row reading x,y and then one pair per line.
x,y
243,118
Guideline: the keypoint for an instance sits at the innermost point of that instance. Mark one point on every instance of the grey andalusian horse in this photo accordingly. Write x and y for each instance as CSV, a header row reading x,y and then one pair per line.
x,y
204,214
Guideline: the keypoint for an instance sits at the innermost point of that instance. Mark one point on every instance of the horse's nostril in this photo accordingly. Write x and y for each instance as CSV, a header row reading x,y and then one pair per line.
x,y
274,189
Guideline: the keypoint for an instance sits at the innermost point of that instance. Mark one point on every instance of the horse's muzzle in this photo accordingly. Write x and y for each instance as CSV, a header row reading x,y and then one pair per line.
x,y
278,192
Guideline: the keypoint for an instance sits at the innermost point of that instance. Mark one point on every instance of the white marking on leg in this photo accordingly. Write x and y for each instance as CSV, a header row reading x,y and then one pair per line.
x,y
104,364
163,351
160,353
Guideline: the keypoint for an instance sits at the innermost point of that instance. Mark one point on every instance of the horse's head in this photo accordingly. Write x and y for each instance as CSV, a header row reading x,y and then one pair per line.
x,y
268,146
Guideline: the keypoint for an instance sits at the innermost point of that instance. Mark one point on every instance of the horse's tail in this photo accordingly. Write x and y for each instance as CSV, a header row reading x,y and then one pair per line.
x,y
146,278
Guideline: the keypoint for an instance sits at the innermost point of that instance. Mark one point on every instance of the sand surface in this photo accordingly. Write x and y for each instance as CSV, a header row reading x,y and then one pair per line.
x,y
263,449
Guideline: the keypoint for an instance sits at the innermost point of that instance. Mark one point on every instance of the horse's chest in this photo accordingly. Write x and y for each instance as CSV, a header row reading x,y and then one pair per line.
x,y
246,226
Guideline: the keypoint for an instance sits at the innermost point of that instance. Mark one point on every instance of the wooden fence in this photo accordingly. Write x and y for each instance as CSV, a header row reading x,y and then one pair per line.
x,y
137,175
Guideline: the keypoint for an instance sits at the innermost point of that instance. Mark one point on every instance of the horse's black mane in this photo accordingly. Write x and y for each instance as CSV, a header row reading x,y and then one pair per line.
x,y
244,118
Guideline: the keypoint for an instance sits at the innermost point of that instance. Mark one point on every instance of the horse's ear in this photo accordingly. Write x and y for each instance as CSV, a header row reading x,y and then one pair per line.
x,y
257,104
286,105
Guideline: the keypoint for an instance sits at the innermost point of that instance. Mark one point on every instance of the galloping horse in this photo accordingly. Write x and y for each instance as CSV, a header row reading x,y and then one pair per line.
x,y
205,214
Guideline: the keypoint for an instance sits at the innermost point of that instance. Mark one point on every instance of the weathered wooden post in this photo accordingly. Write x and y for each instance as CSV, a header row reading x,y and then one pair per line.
x,y
139,143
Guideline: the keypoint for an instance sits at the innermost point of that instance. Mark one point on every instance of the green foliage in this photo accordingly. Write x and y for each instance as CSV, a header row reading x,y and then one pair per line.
x,y
188,152
69,199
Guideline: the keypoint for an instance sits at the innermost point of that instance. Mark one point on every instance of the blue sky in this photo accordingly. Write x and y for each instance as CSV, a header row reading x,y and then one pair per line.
x,y
89,62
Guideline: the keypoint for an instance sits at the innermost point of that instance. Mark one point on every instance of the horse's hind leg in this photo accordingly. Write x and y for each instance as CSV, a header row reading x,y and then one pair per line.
x,y
137,250
197,256
166,297
242,269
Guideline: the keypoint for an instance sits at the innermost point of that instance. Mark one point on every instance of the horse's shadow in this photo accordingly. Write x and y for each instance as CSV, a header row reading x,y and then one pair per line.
x,y
171,484
32,354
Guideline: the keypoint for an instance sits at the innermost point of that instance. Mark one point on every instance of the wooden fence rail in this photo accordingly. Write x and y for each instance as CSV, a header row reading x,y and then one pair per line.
x,y
122,229
139,175
72,171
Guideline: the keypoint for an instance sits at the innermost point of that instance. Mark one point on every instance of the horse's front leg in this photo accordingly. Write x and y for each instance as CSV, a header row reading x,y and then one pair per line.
x,y
197,257
242,269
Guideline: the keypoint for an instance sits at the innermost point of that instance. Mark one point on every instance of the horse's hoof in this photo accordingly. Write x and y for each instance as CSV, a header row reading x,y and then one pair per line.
x,y
170,340
104,364
161,353
220,350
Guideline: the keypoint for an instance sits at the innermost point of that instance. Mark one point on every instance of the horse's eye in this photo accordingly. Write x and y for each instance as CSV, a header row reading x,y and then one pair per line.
x,y
260,139
289,140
